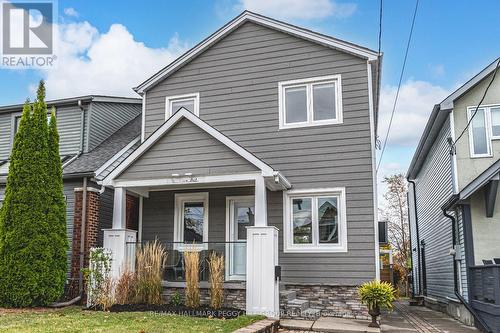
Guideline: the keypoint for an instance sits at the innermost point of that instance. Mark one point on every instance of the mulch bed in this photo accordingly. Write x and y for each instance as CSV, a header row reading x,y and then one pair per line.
x,y
170,309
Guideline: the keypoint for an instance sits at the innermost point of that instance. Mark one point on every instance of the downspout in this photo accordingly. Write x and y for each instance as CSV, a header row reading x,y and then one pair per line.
x,y
419,270
82,126
477,319
82,234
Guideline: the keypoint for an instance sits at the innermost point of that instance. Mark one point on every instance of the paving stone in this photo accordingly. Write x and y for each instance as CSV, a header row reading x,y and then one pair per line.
x,y
341,325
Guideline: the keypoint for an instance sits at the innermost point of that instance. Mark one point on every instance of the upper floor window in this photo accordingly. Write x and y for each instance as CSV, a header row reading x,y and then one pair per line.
x,y
315,221
190,102
485,126
310,102
17,122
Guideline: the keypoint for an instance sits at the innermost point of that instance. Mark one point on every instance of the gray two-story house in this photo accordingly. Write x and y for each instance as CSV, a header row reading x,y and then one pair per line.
x,y
96,133
453,206
258,144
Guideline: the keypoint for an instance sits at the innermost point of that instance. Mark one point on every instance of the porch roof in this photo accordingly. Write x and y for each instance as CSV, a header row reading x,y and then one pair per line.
x,y
178,169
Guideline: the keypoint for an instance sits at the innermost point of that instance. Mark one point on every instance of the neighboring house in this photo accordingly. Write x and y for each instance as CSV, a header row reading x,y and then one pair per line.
x,y
96,133
454,210
258,144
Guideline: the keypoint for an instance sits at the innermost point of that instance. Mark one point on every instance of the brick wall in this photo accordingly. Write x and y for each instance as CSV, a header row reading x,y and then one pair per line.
x,y
91,234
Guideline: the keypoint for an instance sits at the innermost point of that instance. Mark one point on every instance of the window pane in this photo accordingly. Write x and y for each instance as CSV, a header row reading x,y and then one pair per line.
x,y
188,104
244,218
495,121
193,222
324,101
302,221
479,135
328,220
296,105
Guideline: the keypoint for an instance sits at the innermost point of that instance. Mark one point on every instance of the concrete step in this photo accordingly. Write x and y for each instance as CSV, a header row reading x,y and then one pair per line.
x,y
300,304
288,294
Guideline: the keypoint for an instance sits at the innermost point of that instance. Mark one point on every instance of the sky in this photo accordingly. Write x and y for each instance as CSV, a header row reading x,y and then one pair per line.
x,y
108,47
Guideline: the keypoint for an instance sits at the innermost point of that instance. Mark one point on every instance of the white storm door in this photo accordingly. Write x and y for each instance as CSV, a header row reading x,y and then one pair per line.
x,y
241,215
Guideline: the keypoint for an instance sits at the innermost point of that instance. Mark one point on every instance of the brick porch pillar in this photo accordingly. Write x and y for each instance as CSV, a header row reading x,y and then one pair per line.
x,y
91,232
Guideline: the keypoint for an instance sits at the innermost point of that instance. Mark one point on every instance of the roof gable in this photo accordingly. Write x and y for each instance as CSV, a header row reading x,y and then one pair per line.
x,y
206,132
247,16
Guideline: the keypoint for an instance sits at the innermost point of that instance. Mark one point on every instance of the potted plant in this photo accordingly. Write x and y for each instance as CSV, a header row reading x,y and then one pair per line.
x,y
376,295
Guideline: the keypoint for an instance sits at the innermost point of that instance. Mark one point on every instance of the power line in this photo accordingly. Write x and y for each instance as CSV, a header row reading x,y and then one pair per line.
x,y
454,144
377,142
399,84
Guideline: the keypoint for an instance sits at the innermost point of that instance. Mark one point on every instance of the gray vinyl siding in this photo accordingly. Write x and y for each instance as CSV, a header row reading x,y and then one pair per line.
x,y
105,213
237,79
69,126
434,187
414,241
158,213
69,193
187,148
5,135
107,118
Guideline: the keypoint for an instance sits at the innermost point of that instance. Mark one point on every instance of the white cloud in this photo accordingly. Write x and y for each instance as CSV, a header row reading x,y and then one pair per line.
x,y
300,9
71,12
90,62
437,70
415,103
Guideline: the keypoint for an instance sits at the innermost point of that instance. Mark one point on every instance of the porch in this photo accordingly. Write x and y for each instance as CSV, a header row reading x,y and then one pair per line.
x,y
485,293
223,217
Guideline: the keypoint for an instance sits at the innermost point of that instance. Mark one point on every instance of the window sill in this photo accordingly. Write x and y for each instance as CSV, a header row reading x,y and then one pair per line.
x,y
315,249
300,125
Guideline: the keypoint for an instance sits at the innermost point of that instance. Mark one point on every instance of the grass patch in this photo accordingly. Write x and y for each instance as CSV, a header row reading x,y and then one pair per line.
x,y
74,319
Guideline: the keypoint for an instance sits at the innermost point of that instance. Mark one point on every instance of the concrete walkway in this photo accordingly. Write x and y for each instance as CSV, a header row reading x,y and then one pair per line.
x,y
403,318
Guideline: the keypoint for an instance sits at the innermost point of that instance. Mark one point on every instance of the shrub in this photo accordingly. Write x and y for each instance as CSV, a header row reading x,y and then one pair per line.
x,y
216,276
176,299
150,263
32,218
98,279
376,294
192,267
125,288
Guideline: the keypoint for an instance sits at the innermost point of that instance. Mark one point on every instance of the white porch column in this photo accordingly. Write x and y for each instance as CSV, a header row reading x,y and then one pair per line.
x,y
120,240
260,202
262,287
120,208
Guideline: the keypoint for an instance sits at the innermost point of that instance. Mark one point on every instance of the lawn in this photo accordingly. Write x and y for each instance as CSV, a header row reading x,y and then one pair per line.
x,y
74,319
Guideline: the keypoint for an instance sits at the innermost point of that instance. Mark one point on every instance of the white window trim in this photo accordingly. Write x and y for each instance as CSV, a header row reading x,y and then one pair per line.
x,y
309,82
180,199
489,107
470,111
169,99
289,247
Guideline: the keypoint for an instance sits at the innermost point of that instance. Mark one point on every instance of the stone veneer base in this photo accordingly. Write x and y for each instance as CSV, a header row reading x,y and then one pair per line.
x,y
234,298
332,301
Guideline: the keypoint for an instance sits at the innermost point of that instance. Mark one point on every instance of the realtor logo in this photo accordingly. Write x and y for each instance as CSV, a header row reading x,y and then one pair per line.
x,y
28,33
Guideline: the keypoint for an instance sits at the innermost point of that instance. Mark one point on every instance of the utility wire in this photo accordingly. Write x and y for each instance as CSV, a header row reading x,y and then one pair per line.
x,y
454,144
399,84
377,141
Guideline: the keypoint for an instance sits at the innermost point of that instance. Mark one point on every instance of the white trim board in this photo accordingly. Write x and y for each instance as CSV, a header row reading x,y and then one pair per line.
x,y
267,22
116,156
179,115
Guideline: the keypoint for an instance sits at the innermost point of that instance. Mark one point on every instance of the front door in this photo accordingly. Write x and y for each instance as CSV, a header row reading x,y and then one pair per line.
x,y
240,212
